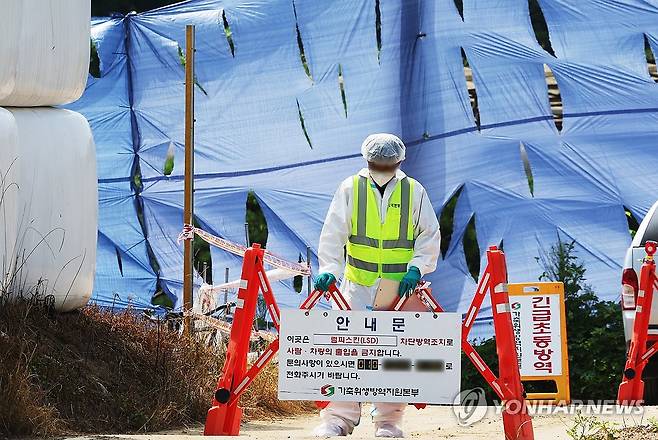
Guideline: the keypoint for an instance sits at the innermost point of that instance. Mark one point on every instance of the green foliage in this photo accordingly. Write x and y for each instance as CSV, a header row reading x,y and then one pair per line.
x,y
94,61
446,221
300,45
633,224
303,124
162,300
653,423
471,378
472,249
560,264
298,281
378,29
182,61
592,428
202,257
470,242
648,53
341,85
168,167
228,33
594,330
256,220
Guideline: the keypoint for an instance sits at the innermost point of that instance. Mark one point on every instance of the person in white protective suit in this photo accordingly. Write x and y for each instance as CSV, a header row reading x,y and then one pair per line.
x,y
383,221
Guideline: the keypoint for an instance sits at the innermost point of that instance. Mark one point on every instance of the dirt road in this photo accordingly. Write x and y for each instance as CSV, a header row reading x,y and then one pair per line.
x,y
430,423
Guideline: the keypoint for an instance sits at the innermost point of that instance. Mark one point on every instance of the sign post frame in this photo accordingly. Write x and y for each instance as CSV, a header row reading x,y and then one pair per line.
x,y
562,395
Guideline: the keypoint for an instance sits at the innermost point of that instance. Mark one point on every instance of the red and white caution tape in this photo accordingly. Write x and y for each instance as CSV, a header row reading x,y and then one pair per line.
x,y
239,250
272,275
225,327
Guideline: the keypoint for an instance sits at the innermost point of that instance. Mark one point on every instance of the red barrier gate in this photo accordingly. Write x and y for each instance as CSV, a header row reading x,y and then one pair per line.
x,y
631,389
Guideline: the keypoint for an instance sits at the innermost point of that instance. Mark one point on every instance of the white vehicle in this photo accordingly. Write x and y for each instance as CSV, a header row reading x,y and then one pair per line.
x,y
648,230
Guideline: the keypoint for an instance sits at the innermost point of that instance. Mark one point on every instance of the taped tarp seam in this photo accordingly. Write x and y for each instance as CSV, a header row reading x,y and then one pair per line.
x,y
138,202
409,144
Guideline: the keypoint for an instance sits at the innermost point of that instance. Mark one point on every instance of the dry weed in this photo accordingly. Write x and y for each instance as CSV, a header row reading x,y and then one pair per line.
x,y
103,372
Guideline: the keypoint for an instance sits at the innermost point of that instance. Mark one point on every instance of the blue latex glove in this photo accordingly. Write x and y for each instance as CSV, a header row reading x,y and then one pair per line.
x,y
323,281
409,281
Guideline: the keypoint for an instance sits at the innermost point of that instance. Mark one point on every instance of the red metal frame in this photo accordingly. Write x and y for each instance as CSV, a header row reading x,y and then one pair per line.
x,y
224,416
631,389
332,294
516,420
424,292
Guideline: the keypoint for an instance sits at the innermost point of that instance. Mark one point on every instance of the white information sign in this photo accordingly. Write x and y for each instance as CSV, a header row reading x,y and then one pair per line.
x,y
368,356
536,320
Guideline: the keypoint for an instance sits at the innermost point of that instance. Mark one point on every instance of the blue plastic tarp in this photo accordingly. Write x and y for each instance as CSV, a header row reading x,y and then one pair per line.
x,y
290,132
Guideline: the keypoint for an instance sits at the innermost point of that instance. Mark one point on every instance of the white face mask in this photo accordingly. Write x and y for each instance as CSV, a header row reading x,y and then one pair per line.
x,y
381,178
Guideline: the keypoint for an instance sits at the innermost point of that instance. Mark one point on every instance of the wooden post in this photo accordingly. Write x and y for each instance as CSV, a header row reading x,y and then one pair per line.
x,y
188,214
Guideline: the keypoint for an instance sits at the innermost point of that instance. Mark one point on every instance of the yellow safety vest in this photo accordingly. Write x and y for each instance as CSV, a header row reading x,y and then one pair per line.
x,y
375,249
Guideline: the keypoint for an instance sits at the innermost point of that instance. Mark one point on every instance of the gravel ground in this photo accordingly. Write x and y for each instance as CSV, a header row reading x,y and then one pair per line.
x,y
437,422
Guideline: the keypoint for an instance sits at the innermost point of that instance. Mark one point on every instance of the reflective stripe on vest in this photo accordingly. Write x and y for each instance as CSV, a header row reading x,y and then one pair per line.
x,y
376,249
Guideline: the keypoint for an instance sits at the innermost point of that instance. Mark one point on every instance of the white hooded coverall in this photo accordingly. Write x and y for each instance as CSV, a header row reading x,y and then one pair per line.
x,y
335,233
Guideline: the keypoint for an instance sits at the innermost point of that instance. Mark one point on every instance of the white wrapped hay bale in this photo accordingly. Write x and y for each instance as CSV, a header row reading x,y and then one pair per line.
x,y
8,196
57,205
44,47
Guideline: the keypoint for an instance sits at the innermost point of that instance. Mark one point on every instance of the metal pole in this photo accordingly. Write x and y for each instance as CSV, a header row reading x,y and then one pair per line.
x,y
226,290
310,278
246,234
188,213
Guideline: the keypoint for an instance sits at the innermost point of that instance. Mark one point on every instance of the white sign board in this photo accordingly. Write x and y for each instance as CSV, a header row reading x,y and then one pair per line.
x,y
536,320
368,356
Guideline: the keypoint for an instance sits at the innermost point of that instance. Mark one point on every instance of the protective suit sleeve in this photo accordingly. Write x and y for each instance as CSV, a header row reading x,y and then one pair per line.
x,y
428,236
336,231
